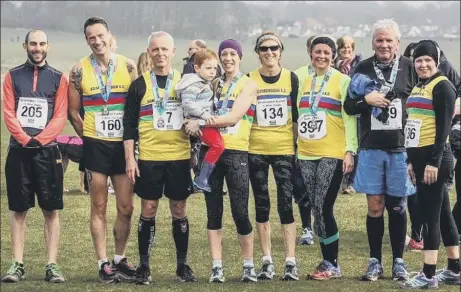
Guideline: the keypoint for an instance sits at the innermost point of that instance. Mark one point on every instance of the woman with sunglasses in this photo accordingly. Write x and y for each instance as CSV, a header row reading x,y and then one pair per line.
x,y
272,144
327,142
430,108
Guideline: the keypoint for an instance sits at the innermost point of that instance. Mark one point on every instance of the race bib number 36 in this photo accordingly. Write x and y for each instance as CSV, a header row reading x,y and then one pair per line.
x,y
110,125
394,121
32,112
272,112
171,119
312,127
412,133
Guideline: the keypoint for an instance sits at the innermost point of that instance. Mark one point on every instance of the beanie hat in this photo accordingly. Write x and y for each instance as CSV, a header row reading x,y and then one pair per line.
x,y
327,40
230,44
427,48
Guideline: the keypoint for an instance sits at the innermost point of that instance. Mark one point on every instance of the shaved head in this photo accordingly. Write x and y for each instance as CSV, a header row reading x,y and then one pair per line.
x,y
36,33
36,46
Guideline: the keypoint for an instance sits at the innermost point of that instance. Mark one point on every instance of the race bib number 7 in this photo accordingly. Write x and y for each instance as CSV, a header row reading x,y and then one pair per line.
x,y
32,112
312,127
110,125
171,120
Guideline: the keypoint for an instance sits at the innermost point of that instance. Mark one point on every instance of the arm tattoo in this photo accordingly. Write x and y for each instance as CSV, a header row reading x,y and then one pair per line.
x,y
129,67
76,79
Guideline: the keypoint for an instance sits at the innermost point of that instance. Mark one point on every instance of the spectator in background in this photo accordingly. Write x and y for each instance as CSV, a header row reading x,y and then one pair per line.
x,y
347,60
144,63
194,46
409,51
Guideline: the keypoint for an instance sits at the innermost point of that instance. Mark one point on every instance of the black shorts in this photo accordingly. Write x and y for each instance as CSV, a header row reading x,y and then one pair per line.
x,y
104,157
172,178
31,171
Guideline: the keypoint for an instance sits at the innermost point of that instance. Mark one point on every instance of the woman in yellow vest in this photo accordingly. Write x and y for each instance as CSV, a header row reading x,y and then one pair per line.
x,y
235,98
272,144
430,108
327,141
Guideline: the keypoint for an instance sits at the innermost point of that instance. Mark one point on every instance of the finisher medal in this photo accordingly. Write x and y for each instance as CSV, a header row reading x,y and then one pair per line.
x,y
105,110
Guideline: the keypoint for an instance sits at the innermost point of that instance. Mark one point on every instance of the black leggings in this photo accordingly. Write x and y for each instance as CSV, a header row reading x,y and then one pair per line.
x,y
415,218
282,167
322,179
232,165
457,207
433,201
301,197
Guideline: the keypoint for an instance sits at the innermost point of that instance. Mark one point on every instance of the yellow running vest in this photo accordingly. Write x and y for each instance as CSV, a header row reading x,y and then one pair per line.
x,y
420,126
96,125
272,130
324,136
237,137
161,138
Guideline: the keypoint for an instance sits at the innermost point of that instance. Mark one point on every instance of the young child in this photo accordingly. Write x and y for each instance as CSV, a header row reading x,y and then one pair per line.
x,y
195,91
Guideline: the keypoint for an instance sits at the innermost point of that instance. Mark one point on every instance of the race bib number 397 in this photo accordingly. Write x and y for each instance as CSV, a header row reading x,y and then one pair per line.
x,y
272,112
312,127
110,125
171,119
32,112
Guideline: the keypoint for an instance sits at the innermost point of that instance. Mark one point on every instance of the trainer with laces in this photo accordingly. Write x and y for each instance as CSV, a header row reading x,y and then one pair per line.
x,y
381,171
35,111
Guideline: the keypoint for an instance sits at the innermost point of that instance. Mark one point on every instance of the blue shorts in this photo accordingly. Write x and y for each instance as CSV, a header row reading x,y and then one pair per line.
x,y
380,172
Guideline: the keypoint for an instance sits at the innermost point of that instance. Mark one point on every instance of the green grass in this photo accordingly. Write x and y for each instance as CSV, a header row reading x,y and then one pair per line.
x,y
76,254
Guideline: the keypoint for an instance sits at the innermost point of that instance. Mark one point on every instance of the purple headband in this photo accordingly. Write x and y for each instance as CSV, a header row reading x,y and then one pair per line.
x,y
230,44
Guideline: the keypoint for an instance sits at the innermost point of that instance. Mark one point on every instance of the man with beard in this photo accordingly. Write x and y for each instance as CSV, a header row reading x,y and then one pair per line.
x,y
99,83
35,110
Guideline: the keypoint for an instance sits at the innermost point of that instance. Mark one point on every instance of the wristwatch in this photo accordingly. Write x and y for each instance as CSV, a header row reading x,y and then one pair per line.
x,y
351,152
201,124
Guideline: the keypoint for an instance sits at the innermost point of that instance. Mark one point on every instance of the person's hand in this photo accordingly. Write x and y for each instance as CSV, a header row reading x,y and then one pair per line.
x,y
430,174
377,99
411,173
348,163
192,128
211,121
132,169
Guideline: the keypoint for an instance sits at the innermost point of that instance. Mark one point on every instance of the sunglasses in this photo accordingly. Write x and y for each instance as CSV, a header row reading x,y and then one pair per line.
x,y
272,48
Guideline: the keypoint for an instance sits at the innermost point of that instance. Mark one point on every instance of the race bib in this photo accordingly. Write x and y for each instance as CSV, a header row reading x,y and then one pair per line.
x,y
171,119
394,122
272,112
412,133
312,127
231,130
32,112
110,125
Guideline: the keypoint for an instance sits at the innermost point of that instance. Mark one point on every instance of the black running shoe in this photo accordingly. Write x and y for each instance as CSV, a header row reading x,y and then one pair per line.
x,y
124,271
143,275
107,275
185,274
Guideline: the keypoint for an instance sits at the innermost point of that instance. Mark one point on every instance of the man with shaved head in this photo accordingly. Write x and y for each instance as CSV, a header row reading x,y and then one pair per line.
x,y
35,111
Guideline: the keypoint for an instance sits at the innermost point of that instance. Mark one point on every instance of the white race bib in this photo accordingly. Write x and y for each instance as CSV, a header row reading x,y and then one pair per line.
x,y
272,112
394,122
32,112
312,127
171,120
231,130
110,125
412,133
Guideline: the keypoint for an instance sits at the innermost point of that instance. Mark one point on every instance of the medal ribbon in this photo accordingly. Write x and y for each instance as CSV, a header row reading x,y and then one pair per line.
x,y
107,88
314,101
393,76
158,104
223,108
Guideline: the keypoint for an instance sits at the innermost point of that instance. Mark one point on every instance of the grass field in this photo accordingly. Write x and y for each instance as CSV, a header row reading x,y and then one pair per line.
x,y
77,257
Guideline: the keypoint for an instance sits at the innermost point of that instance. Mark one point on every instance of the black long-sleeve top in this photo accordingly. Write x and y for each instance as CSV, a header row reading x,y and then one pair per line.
x,y
443,101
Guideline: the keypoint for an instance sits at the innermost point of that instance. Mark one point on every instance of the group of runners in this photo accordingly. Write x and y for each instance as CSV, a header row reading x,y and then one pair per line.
x,y
303,124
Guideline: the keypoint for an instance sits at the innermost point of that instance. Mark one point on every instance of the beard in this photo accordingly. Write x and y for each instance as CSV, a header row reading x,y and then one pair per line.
x,y
30,55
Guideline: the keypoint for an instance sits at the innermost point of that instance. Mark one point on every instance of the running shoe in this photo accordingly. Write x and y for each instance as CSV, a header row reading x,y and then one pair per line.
x,y
374,272
399,270
307,238
291,272
249,274
185,274
143,275
217,275
124,271
414,245
420,282
448,277
326,271
267,271
107,275
53,274
15,273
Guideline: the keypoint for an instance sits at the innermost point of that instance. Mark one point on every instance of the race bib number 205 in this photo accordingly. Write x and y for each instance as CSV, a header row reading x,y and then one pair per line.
x,y
32,112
